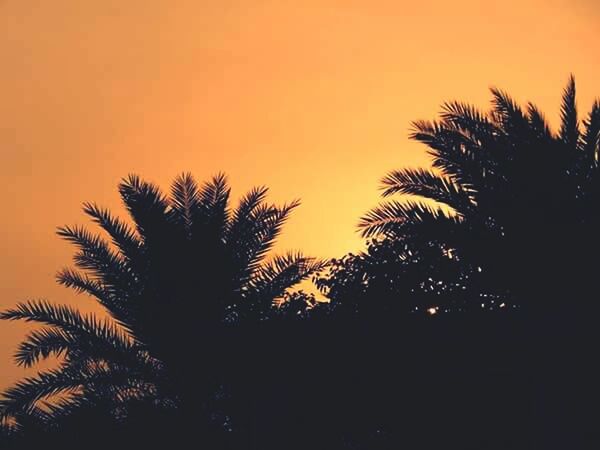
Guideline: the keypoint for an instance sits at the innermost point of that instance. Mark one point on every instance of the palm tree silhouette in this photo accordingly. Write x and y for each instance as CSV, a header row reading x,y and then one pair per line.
x,y
189,267
512,200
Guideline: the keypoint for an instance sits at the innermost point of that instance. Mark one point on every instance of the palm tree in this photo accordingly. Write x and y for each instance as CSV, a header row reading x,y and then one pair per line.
x,y
188,268
514,201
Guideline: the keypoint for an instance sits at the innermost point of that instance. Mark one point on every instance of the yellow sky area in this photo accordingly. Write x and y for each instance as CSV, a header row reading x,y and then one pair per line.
x,y
312,98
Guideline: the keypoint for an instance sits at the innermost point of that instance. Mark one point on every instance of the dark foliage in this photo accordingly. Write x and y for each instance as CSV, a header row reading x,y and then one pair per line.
x,y
205,346
189,268
507,215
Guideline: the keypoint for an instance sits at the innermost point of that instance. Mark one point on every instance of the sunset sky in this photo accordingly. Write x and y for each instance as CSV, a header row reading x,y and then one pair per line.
x,y
312,98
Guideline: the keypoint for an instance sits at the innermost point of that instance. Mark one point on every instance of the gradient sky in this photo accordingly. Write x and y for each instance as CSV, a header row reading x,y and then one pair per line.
x,y
312,98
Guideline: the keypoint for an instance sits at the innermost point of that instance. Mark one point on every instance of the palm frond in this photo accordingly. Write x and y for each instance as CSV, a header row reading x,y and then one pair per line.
x,y
147,206
67,379
82,283
121,234
453,152
23,396
591,136
215,192
66,406
117,305
211,216
509,115
470,121
185,197
44,312
253,243
239,220
569,129
96,257
99,335
538,122
40,344
427,184
394,218
272,279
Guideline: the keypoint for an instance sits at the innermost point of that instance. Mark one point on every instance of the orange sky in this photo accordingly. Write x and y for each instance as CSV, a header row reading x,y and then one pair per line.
x,y
312,98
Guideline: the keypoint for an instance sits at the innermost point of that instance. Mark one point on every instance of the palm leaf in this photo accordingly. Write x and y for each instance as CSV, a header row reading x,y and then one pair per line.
x,y
508,114
569,128
215,192
395,218
82,283
121,234
68,379
147,206
41,344
271,280
23,396
453,152
241,215
210,216
99,334
470,121
118,304
96,257
185,198
430,185
538,122
253,243
591,137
